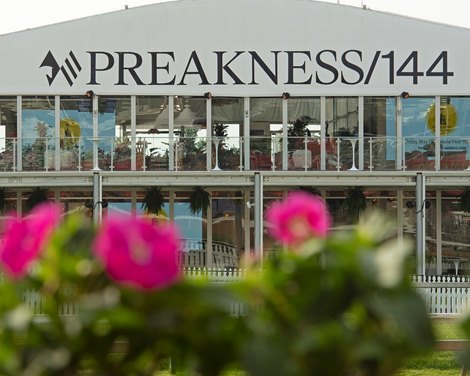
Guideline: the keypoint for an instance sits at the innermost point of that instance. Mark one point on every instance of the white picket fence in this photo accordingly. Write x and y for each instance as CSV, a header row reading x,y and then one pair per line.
x,y
443,295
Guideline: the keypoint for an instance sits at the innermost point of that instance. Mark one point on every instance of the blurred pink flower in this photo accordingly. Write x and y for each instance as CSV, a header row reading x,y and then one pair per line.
x,y
26,237
298,218
137,253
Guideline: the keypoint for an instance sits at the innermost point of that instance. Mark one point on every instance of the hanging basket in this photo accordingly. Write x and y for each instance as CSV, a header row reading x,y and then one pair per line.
x,y
36,197
199,200
153,201
464,198
355,202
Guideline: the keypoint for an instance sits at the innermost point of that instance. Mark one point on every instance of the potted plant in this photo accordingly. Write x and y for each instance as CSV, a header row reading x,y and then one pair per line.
x,y
199,200
355,202
296,130
153,200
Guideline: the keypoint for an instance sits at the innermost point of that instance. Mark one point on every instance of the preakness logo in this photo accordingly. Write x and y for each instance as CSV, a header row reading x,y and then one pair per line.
x,y
218,68
68,69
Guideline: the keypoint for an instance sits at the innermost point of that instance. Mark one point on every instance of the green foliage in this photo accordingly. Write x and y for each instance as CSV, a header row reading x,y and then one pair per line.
x,y
465,200
355,202
199,200
296,130
333,308
312,190
154,200
3,200
187,320
37,196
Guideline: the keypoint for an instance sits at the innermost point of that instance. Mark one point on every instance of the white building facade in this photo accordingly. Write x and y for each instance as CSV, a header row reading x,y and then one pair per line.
x,y
249,99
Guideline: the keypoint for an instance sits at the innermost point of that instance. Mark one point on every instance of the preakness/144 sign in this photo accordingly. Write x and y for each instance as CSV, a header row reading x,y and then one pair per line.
x,y
220,68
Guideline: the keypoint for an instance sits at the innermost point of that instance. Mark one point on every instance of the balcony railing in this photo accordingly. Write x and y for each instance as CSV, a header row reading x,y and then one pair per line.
x,y
154,152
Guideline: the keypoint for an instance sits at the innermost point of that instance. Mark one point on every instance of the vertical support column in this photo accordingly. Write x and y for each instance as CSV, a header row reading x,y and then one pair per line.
x,y
322,133
246,133
259,216
400,222
209,133
400,164
439,232
19,138
437,133
171,204
97,196
246,220
133,134
360,134
57,150
171,133
285,150
95,133
420,223
209,248
133,202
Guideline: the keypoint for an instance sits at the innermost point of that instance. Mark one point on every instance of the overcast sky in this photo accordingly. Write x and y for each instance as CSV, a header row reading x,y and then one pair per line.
x,y
25,14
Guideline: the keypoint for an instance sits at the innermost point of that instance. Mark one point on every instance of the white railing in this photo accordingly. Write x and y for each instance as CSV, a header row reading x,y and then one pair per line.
x,y
307,153
444,294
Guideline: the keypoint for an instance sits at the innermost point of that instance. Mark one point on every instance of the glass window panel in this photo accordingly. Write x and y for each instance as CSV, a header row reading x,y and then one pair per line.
x,y
114,132
418,136
265,131
455,132
455,236
227,230
380,131
76,133
193,231
8,133
303,145
227,128
38,132
190,132
342,126
153,132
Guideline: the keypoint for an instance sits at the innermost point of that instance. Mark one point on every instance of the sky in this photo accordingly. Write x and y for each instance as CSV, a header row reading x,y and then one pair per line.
x,y
18,15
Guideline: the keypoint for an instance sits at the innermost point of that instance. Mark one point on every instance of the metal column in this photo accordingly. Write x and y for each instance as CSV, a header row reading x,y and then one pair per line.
x,y
97,196
420,223
258,192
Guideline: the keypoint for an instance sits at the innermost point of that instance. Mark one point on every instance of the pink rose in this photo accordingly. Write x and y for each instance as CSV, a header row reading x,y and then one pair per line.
x,y
26,237
298,218
135,252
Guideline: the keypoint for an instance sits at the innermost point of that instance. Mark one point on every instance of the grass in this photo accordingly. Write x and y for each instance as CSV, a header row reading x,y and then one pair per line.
x,y
437,363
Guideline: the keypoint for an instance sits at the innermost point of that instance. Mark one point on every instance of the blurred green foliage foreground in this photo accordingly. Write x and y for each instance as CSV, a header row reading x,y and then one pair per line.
x,y
333,304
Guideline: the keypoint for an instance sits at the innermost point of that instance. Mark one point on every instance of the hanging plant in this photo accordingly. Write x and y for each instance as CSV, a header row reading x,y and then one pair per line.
x,y
312,190
355,202
199,200
36,197
153,200
3,200
465,200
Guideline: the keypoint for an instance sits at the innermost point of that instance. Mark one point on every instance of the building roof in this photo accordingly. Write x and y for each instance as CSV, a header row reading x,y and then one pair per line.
x,y
238,47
